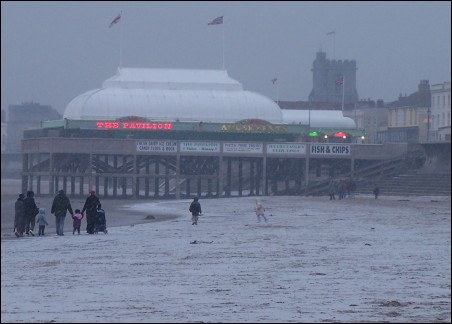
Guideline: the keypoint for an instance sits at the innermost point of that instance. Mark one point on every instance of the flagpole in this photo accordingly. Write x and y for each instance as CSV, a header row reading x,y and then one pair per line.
x,y
343,92
120,43
334,44
222,29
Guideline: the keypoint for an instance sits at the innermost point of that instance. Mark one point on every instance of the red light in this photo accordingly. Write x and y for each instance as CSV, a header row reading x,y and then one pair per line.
x,y
340,134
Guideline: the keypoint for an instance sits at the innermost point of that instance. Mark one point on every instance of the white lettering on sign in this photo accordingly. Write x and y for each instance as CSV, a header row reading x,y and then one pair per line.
x,y
243,147
330,149
156,146
199,147
286,148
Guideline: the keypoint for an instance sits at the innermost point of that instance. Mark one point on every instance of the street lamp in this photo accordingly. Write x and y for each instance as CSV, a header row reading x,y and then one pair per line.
x,y
428,123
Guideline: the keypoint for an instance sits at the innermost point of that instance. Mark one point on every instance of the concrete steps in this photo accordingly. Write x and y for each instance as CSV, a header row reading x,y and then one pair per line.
x,y
410,184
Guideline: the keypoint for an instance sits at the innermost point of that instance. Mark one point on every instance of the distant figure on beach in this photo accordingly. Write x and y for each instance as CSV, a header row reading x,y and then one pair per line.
x,y
195,210
19,216
31,210
77,223
42,221
332,190
60,206
376,191
90,206
352,188
260,211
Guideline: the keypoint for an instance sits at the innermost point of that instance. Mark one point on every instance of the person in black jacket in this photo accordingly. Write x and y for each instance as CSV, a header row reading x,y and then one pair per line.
x,y
195,209
90,206
19,217
31,210
60,206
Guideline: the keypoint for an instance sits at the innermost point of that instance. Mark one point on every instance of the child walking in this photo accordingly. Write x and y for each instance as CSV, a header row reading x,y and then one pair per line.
x,y
77,223
259,209
195,209
42,221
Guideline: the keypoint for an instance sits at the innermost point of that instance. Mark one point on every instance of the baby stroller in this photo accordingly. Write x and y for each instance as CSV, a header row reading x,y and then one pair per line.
x,y
101,224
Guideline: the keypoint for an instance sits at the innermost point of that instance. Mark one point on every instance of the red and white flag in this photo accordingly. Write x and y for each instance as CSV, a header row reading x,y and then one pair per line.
x,y
115,21
340,81
216,21
274,80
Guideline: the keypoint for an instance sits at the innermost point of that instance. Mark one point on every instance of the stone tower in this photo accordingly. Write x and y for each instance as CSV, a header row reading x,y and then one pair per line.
x,y
327,76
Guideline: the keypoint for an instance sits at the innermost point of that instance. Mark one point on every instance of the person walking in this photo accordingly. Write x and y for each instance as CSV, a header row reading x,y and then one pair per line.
x,y
352,188
31,210
332,190
77,223
60,206
195,209
19,216
376,190
91,204
260,211
42,221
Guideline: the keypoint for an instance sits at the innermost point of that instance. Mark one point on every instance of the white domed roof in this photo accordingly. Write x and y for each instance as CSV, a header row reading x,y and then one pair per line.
x,y
318,118
172,94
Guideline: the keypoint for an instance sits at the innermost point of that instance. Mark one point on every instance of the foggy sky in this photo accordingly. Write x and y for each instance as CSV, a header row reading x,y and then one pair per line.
x,y
53,51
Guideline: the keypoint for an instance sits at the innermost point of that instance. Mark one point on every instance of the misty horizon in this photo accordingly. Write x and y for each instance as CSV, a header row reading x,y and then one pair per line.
x,y
55,51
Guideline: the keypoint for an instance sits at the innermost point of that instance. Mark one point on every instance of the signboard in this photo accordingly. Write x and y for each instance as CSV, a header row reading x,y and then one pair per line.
x,y
243,148
330,149
156,146
286,149
199,147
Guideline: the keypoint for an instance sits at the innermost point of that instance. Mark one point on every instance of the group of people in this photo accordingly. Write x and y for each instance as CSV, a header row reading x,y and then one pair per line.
x,y
344,187
26,211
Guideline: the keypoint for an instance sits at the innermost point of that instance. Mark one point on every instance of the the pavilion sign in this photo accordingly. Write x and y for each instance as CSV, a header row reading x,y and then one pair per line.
x,y
133,123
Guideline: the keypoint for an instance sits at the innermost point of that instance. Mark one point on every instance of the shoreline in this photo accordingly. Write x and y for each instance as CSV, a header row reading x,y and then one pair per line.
x,y
118,213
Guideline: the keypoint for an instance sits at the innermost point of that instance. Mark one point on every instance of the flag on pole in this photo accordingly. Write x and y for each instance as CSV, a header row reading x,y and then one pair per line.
x,y
216,21
274,80
340,81
331,32
115,21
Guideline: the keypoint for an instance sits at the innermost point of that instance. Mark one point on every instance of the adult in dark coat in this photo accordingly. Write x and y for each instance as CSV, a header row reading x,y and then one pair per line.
x,y
90,206
31,210
60,206
19,216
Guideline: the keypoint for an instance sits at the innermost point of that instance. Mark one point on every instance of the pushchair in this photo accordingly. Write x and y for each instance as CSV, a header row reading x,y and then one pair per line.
x,y
101,224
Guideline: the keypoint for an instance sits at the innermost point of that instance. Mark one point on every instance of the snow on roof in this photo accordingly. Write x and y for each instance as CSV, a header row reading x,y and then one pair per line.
x,y
173,94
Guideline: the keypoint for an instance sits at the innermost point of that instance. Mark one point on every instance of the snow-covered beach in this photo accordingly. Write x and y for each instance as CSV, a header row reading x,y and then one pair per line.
x,y
351,260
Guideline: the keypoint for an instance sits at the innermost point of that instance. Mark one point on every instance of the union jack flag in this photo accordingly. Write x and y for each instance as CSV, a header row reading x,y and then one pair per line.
x,y
340,81
216,21
115,21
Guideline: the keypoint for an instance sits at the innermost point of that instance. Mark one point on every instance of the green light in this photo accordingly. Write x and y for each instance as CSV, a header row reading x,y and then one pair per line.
x,y
313,134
